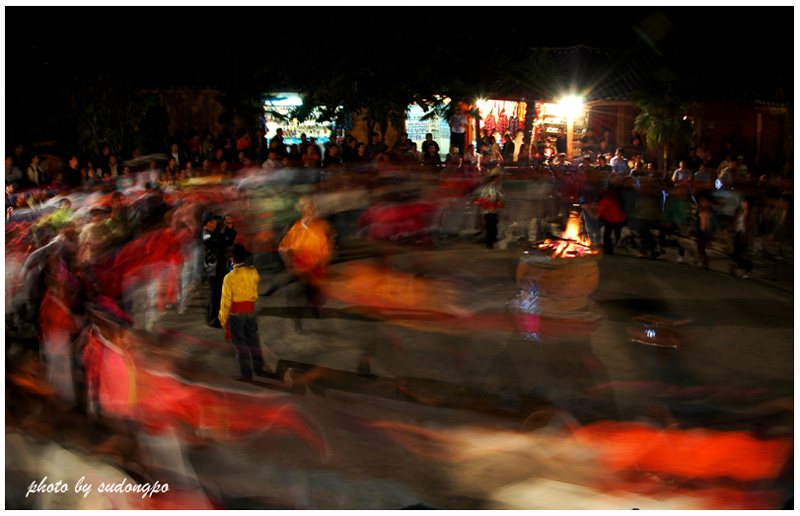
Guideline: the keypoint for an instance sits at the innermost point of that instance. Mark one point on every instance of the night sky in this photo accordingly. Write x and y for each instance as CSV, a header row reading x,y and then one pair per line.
x,y
216,46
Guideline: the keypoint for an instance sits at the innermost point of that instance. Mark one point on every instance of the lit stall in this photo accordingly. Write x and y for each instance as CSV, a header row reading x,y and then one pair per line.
x,y
499,117
282,104
551,116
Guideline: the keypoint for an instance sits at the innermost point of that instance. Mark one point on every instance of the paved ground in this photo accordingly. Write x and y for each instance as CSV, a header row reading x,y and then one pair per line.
x,y
457,417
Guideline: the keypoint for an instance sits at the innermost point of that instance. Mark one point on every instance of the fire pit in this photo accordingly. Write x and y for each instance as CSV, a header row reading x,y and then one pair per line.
x,y
565,269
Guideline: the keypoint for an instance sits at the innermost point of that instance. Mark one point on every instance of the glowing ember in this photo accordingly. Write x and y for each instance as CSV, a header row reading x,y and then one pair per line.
x,y
571,244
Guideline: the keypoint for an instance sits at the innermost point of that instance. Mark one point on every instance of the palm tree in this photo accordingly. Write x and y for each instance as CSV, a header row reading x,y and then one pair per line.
x,y
665,125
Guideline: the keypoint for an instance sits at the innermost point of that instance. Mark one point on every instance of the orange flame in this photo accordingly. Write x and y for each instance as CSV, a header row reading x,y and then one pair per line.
x,y
571,236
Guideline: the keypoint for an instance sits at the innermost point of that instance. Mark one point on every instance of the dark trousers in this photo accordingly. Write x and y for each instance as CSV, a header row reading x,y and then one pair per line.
x,y
702,243
214,298
459,140
244,334
490,222
741,253
608,227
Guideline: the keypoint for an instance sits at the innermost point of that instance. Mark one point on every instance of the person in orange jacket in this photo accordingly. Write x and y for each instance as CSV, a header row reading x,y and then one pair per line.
x,y
307,250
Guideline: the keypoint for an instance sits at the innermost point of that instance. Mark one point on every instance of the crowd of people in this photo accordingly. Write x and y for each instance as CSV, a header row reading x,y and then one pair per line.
x,y
144,230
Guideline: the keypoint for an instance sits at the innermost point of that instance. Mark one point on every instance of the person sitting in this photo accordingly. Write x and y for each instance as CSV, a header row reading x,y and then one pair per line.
x,y
431,158
453,159
376,146
401,145
428,142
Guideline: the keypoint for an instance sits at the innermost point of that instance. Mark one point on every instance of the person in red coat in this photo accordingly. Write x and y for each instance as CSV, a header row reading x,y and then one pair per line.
x,y
609,211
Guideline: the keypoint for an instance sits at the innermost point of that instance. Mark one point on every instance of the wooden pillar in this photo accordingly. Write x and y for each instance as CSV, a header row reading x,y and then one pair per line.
x,y
759,129
570,131
478,132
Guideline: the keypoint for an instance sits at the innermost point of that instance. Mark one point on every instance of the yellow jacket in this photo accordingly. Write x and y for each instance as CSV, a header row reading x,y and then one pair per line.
x,y
308,245
241,284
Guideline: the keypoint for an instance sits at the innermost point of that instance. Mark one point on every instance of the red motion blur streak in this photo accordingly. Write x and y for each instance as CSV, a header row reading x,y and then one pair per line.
x,y
696,459
158,400
721,470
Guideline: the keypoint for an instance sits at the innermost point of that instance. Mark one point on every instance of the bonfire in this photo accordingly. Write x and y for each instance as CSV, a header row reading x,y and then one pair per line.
x,y
571,244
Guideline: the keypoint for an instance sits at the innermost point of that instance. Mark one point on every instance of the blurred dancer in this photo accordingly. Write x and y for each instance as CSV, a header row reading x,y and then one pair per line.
x,y
490,200
307,250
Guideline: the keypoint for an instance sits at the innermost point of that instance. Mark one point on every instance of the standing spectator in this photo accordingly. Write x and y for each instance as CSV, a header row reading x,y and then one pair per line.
x,y
682,175
277,140
485,136
72,176
508,149
589,141
741,168
237,314
745,230
229,149
693,161
176,154
707,226
91,176
561,142
113,170
14,175
458,130
303,147
101,161
215,244
209,148
703,153
350,150
497,151
20,157
195,148
604,148
35,174
609,139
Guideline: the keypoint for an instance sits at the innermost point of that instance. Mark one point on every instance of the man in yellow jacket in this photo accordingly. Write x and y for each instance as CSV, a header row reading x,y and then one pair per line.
x,y
237,314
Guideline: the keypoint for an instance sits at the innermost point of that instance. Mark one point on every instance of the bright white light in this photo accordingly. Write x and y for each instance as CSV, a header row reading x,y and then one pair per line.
x,y
571,106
